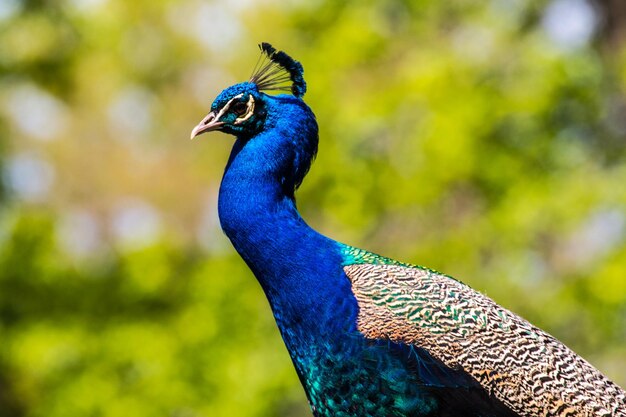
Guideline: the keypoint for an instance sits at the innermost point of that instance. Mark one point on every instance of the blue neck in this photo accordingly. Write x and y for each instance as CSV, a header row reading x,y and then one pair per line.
x,y
296,266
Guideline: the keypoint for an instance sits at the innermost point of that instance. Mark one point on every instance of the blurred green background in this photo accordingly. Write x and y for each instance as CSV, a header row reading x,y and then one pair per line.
x,y
483,139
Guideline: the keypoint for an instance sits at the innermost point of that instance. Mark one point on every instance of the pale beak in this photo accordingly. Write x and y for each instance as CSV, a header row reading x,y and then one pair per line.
x,y
207,124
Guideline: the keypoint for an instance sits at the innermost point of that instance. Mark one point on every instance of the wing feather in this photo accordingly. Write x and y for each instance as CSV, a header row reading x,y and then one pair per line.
x,y
522,366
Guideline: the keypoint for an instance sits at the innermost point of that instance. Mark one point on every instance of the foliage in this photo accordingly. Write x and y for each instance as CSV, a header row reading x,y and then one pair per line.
x,y
458,135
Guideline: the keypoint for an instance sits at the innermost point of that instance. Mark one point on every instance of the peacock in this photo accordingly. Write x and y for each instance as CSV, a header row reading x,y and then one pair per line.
x,y
369,335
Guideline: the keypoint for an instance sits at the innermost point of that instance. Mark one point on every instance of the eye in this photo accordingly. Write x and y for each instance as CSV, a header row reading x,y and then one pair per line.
x,y
239,108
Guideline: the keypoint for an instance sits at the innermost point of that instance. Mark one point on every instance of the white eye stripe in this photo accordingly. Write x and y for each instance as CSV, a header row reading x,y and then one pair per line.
x,y
227,106
249,111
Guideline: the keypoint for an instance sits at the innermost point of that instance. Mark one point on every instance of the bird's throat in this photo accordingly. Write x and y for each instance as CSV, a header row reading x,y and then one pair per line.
x,y
258,214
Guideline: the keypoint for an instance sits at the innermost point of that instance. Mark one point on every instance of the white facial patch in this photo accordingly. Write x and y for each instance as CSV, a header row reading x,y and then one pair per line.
x,y
249,111
226,107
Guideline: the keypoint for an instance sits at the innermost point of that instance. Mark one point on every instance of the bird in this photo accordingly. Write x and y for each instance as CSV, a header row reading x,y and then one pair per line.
x,y
369,335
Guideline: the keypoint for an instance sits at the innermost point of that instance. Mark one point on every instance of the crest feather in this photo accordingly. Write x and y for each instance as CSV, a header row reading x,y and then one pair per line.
x,y
275,70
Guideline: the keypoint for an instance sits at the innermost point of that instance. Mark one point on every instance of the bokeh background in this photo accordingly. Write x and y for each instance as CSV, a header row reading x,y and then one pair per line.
x,y
485,139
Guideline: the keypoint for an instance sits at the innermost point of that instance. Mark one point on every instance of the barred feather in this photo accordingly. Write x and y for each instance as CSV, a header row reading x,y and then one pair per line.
x,y
521,365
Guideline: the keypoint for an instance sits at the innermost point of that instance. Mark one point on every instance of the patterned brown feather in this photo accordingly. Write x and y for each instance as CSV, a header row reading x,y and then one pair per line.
x,y
524,367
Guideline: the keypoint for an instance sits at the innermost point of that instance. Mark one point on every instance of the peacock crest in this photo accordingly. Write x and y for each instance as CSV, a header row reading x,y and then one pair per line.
x,y
275,70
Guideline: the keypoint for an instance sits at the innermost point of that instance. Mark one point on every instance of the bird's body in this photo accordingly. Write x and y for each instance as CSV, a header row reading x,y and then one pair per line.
x,y
370,336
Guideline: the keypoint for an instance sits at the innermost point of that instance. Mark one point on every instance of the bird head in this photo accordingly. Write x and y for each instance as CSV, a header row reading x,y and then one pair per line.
x,y
238,110
241,109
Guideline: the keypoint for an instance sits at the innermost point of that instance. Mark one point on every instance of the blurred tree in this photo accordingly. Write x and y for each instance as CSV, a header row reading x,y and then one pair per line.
x,y
613,18
484,139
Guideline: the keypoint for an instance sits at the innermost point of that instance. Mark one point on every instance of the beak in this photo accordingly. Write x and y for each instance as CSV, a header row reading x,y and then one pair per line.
x,y
207,124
